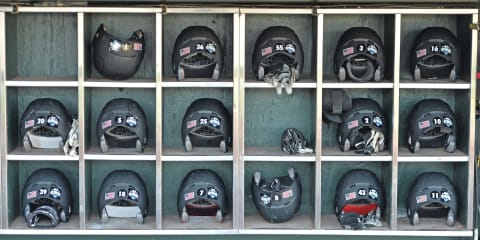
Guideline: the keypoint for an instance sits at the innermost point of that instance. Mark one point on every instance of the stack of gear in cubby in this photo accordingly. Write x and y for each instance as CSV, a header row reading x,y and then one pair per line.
x,y
122,123
293,141
435,54
115,58
45,124
359,200
431,124
202,193
197,53
123,194
206,123
278,58
277,199
433,195
46,196
359,55
363,127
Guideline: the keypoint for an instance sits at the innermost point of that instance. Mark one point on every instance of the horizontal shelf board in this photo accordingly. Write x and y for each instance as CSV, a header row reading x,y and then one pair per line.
x,y
302,83
334,83
90,9
246,10
466,233
172,222
275,154
18,154
426,224
94,153
276,10
129,83
195,232
94,223
20,224
298,222
217,10
431,155
197,154
197,82
435,84
395,11
335,154
41,82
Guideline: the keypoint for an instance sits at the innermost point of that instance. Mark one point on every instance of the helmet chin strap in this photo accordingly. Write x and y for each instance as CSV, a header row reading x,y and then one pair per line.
x,y
33,218
369,71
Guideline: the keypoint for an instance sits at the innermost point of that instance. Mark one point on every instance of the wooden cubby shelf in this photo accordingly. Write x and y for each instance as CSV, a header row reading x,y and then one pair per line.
x,y
41,58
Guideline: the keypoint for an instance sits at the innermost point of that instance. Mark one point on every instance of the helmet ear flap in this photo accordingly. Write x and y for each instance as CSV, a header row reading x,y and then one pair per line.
x,y
450,220
450,143
260,72
346,145
63,216
26,212
216,72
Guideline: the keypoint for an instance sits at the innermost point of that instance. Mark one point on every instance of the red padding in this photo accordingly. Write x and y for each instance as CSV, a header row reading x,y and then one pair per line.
x,y
361,209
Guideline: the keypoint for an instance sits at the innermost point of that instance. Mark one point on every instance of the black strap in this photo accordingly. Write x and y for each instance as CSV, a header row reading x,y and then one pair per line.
x,y
351,220
33,218
337,102
369,71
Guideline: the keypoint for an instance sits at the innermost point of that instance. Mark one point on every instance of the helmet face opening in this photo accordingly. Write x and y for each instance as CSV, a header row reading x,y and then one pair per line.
x,y
362,207
206,131
202,207
44,132
123,203
121,132
198,60
433,133
275,62
435,60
